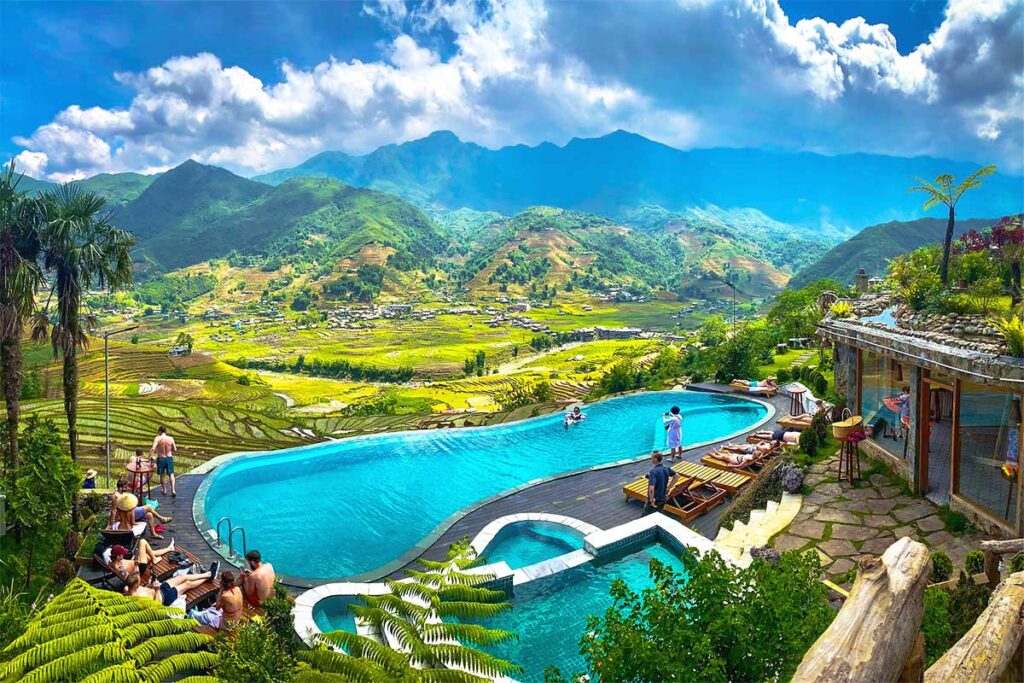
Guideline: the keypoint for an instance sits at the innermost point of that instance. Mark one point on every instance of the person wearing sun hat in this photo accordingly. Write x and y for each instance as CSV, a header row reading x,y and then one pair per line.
x,y
127,512
90,479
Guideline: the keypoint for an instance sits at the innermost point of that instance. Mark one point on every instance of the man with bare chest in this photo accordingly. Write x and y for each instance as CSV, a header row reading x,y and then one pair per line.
x,y
164,449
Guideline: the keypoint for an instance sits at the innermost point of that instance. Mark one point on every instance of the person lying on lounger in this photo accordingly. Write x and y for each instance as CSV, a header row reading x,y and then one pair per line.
x,y
751,448
767,383
118,561
736,459
167,592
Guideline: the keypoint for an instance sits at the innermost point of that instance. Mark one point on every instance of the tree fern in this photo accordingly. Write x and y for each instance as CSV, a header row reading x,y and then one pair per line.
x,y
174,665
449,676
179,642
199,679
458,656
83,635
351,668
465,633
365,648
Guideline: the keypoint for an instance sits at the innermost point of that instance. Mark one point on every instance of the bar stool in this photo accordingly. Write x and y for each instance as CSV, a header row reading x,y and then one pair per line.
x,y
849,456
796,401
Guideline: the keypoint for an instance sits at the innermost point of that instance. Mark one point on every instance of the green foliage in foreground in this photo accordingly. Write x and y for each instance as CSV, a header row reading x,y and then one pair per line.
x,y
433,649
720,624
948,615
87,634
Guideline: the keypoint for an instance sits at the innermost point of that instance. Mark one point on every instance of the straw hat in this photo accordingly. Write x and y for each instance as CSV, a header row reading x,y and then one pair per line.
x,y
91,473
126,502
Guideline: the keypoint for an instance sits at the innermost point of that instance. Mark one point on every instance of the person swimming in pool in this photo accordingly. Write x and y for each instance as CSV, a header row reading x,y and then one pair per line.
x,y
574,416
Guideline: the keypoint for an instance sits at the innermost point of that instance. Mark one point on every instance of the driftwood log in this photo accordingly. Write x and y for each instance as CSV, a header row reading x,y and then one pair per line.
x,y
988,649
875,631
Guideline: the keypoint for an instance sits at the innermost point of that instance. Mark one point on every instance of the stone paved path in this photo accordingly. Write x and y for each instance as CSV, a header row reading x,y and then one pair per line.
x,y
845,524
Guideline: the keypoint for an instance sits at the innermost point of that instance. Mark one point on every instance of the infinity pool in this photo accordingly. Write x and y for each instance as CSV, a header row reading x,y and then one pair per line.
x,y
349,507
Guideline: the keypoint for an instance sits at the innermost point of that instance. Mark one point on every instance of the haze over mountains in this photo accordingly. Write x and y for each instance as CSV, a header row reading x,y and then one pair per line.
x,y
829,196
634,209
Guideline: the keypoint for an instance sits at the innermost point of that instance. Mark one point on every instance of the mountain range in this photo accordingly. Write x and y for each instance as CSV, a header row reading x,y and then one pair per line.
x,y
829,197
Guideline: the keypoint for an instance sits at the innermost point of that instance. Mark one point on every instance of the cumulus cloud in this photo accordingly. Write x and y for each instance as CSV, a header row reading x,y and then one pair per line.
x,y
694,73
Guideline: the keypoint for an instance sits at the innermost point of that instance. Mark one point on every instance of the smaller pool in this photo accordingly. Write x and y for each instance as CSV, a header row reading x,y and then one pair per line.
x,y
521,544
333,614
550,614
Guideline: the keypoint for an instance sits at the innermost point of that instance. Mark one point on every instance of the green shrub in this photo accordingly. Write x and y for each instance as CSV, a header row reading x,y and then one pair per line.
x,y
974,563
820,428
820,385
938,633
782,376
956,522
14,614
768,486
1017,563
966,603
809,442
942,567
254,655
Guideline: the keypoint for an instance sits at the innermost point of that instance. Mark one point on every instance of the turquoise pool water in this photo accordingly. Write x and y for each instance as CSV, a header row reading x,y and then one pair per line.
x,y
521,544
550,614
333,614
351,506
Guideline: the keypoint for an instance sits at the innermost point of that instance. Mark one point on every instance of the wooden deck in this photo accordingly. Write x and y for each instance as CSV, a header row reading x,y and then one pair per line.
x,y
595,497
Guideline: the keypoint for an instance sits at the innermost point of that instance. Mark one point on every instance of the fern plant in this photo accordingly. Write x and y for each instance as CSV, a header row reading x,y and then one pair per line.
x,y
415,643
1012,329
91,635
841,309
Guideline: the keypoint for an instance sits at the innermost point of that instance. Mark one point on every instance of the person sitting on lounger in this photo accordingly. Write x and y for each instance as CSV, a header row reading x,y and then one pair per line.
x,y
118,561
258,580
574,416
167,592
127,513
225,612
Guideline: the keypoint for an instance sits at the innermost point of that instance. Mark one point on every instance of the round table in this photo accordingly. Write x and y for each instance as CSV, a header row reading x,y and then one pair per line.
x,y
796,404
141,477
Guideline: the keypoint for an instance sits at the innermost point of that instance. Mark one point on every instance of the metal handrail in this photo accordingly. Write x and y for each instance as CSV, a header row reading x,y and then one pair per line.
x,y
219,537
245,545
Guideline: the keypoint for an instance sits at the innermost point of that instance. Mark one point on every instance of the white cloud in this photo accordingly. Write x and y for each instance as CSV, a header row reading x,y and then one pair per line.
x,y
696,73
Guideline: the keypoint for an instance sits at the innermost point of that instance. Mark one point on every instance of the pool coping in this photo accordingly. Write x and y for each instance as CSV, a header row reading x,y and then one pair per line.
x,y
209,534
638,533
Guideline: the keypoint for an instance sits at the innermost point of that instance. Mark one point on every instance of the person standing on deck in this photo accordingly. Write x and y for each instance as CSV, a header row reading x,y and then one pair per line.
x,y
674,426
659,480
164,449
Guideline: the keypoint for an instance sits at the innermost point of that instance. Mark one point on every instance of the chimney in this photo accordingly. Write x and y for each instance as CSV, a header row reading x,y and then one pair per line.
x,y
860,281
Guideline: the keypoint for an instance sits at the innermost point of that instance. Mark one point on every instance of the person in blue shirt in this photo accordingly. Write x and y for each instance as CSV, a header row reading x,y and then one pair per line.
x,y
659,481
90,479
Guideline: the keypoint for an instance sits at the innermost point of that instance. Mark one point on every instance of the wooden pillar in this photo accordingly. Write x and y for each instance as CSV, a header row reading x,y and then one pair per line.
x,y
913,380
954,472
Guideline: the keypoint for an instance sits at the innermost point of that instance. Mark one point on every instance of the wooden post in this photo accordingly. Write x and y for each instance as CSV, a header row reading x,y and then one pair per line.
x,y
992,568
874,633
913,669
990,647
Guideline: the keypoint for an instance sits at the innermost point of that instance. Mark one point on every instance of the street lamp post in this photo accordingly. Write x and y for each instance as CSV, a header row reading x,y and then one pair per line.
x,y
106,391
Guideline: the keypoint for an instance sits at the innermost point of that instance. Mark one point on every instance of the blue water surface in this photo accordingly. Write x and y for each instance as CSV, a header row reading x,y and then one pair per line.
x,y
521,544
350,506
550,614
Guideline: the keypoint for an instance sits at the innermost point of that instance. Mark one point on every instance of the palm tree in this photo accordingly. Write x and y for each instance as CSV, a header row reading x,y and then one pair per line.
x,y
19,281
81,249
943,191
414,644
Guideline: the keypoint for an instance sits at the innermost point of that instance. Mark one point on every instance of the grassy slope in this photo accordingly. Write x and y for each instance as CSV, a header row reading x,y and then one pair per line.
x,y
873,247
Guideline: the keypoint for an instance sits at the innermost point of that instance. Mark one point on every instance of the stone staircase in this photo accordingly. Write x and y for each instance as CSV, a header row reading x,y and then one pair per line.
x,y
736,543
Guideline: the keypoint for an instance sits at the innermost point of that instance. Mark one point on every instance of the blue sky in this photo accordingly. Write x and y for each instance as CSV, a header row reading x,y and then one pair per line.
x,y
93,87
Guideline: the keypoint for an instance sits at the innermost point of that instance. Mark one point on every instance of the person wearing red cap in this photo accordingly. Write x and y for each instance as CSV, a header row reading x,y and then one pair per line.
x,y
118,560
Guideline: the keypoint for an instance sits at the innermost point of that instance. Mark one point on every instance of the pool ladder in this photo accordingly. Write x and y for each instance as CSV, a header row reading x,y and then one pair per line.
x,y
231,534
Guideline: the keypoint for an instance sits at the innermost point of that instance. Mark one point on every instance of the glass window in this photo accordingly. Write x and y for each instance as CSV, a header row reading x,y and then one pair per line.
x,y
989,447
885,402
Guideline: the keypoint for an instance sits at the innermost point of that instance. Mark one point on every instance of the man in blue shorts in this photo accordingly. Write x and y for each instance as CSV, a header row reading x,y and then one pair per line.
x,y
164,449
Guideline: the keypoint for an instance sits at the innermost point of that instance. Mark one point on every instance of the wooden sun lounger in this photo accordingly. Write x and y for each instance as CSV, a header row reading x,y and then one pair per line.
x,y
693,499
731,482
789,422
716,459
739,385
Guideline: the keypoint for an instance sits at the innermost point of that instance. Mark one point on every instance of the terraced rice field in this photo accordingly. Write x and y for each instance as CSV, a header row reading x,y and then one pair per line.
x,y
201,430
